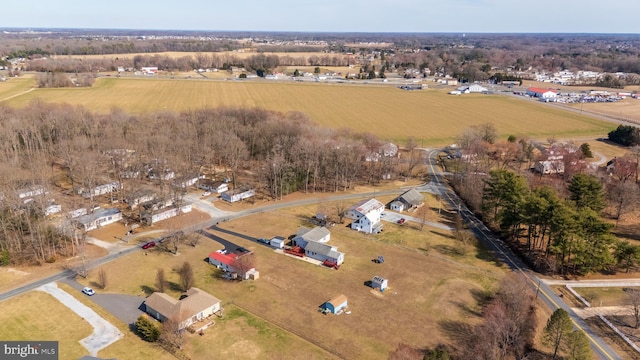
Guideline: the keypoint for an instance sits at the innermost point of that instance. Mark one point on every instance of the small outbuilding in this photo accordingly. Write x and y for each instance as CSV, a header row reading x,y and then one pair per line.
x,y
335,306
379,283
277,242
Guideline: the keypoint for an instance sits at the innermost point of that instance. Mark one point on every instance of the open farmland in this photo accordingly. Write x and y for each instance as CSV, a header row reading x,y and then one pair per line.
x,y
431,116
15,86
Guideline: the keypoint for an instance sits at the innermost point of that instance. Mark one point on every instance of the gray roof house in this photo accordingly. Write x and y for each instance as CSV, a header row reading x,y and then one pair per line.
x,y
408,200
317,234
322,252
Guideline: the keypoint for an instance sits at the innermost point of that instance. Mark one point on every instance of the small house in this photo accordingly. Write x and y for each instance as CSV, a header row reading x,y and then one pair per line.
x,y
410,199
379,283
237,195
222,260
217,187
31,192
140,197
195,305
101,189
232,263
323,252
154,216
336,305
549,167
188,180
98,219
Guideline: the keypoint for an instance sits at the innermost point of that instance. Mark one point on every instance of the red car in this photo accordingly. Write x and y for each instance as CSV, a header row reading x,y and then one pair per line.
x,y
401,221
150,244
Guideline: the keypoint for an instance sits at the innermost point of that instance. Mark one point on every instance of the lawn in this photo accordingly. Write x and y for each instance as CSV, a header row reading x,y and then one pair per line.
x,y
14,86
431,116
611,296
428,285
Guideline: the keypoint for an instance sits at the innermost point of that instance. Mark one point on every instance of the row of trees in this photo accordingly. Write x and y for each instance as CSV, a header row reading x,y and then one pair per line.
x,y
65,148
625,135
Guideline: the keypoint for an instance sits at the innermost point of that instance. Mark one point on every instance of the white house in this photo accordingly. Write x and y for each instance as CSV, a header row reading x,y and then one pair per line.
x,y
31,192
227,263
237,195
277,242
140,197
187,180
366,216
52,209
322,252
101,189
217,187
152,217
549,167
193,306
98,219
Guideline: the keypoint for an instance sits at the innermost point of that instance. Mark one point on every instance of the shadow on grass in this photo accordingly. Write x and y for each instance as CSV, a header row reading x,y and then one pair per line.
x,y
173,286
487,255
457,331
148,290
449,236
449,250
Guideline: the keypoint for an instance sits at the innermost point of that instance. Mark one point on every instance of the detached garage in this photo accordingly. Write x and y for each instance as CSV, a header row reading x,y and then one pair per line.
x,y
335,305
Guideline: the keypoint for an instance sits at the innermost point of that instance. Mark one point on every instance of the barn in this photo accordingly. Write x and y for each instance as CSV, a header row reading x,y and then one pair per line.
x,y
336,305
379,283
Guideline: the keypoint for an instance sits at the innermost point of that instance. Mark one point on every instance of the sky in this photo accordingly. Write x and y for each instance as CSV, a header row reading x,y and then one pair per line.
x,y
428,16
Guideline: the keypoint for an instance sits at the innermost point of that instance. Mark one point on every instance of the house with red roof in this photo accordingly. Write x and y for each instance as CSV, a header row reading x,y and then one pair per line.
x,y
543,94
222,260
240,264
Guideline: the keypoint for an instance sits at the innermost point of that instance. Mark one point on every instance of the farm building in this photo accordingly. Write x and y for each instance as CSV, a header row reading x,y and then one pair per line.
x,y
277,242
542,94
193,306
549,167
154,216
101,189
237,195
217,187
323,252
366,216
336,305
379,283
410,199
98,219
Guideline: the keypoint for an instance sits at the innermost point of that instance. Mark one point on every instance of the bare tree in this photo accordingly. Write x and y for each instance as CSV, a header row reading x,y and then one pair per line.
x,y
186,276
243,263
633,298
172,334
340,208
424,214
161,281
102,279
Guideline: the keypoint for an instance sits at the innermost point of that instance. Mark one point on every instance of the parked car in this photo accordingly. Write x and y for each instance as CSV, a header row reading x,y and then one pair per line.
x,y
401,221
241,249
206,193
149,244
263,240
88,291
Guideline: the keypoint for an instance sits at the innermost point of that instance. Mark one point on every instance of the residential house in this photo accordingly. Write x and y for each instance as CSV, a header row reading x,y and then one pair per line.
x,y
304,235
238,194
366,215
228,263
153,216
140,197
31,192
195,305
164,175
188,180
549,167
386,150
217,187
101,189
323,252
98,218
410,199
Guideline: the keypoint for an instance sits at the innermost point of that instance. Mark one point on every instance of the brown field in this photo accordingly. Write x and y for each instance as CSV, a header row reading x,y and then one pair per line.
x,y
220,54
432,280
431,116
15,86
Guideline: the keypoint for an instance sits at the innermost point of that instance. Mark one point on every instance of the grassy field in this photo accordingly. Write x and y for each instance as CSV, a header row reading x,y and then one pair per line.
x,y
431,116
15,86
429,285
613,296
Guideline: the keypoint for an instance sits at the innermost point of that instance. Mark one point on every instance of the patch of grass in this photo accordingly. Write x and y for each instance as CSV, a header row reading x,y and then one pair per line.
x,y
611,296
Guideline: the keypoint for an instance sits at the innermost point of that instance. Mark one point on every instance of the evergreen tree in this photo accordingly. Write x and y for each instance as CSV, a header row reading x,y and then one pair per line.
x,y
147,328
586,192
557,330
578,347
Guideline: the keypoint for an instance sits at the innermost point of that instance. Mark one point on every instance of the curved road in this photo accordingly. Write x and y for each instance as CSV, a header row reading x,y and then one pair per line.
x,y
543,290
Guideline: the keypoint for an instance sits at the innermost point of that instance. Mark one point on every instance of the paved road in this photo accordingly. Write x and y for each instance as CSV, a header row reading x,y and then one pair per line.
x,y
495,245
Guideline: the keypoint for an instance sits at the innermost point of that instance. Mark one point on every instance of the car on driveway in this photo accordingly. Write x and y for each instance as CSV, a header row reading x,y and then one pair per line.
x,y
88,291
149,244
206,193
263,240
242,250
401,221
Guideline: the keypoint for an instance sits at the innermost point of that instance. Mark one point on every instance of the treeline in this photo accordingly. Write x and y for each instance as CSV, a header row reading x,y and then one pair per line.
x,y
62,148
555,222
625,135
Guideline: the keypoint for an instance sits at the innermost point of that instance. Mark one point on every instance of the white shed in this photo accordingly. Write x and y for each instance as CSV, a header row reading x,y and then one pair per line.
x,y
277,242
379,283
